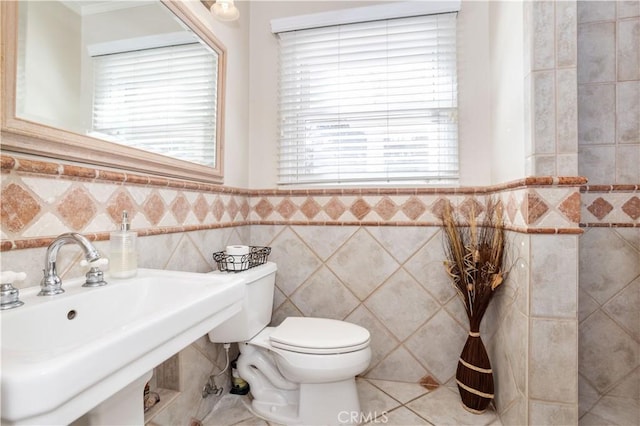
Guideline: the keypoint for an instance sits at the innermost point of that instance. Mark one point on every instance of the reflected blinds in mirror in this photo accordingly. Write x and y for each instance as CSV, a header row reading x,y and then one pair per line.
x,y
161,100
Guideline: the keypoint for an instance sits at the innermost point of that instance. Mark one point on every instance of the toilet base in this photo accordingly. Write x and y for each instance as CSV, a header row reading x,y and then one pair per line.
x,y
319,404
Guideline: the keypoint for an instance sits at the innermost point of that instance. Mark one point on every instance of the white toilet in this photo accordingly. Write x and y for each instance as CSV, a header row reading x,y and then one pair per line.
x,y
301,372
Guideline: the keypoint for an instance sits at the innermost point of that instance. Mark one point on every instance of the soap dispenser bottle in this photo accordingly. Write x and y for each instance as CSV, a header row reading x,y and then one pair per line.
x,y
123,262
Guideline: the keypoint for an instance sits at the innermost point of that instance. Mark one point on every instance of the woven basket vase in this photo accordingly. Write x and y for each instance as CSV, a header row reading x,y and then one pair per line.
x,y
474,375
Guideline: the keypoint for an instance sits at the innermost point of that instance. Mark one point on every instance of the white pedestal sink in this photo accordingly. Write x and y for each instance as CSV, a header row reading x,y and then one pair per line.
x,y
85,355
121,408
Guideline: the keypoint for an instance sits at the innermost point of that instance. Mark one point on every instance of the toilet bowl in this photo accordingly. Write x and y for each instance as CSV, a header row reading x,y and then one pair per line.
x,y
301,372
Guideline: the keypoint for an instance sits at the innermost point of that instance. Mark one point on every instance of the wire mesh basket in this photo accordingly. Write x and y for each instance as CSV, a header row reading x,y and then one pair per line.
x,y
237,263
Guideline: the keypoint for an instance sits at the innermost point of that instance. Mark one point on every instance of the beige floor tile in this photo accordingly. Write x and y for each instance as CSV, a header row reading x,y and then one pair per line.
x,y
403,392
618,411
407,404
592,420
373,401
402,417
231,410
496,422
254,421
443,407
379,401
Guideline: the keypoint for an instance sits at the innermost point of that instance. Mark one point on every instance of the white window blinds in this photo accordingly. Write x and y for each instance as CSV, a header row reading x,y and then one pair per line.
x,y
161,100
373,102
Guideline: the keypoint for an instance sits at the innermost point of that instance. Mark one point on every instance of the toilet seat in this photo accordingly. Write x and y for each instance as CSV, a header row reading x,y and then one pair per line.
x,y
319,336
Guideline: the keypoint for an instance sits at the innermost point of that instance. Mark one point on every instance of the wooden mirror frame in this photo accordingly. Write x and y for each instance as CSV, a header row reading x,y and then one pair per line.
x,y
28,137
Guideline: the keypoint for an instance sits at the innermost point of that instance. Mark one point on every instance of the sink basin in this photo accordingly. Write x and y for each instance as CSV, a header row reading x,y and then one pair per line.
x,y
64,355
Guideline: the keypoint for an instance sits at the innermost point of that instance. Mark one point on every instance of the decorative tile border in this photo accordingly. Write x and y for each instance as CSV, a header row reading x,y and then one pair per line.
x,y
42,199
528,209
610,206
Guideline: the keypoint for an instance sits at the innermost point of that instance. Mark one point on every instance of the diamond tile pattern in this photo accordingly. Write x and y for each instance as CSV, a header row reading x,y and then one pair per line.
x,y
232,208
402,242
286,208
413,208
609,328
442,327
600,208
470,207
607,264
200,208
632,208
77,209
217,208
536,207
365,273
79,205
410,312
348,272
601,335
296,262
154,208
401,365
391,403
121,201
386,208
439,206
319,296
570,207
310,208
19,208
619,205
334,208
622,308
512,208
263,209
402,304
363,263
360,209
382,341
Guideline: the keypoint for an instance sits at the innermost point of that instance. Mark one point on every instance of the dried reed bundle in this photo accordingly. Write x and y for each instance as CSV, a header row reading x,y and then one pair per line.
x,y
475,256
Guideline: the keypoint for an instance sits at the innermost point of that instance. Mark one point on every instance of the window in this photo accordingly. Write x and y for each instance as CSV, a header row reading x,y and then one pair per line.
x,y
369,102
161,100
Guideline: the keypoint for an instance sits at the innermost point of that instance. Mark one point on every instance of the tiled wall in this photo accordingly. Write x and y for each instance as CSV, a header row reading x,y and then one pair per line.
x,y
609,319
531,329
43,199
551,146
404,299
609,91
550,394
609,141
322,242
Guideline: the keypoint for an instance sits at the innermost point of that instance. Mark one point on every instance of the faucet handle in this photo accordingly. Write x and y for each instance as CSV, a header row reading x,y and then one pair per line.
x,y
95,277
9,277
103,261
9,296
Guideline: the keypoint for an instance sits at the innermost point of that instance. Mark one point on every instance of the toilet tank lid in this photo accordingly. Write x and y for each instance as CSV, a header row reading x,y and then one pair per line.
x,y
319,333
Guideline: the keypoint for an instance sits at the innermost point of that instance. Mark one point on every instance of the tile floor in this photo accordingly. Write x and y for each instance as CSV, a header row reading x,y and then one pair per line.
x,y
407,404
613,411
396,404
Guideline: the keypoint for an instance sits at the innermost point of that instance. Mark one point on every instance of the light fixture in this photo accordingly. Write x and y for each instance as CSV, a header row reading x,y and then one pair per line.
x,y
225,10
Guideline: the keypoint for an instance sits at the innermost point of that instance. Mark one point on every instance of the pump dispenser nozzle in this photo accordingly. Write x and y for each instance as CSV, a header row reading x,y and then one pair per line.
x,y
125,225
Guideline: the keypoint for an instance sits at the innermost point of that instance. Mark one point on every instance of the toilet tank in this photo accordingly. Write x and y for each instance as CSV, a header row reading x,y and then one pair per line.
x,y
257,306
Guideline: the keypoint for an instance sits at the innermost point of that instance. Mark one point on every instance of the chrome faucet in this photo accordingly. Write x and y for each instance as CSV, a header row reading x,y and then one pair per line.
x,y
51,283
9,296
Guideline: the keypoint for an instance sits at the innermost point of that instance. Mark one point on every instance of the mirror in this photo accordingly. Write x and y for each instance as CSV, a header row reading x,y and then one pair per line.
x,y
121,84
